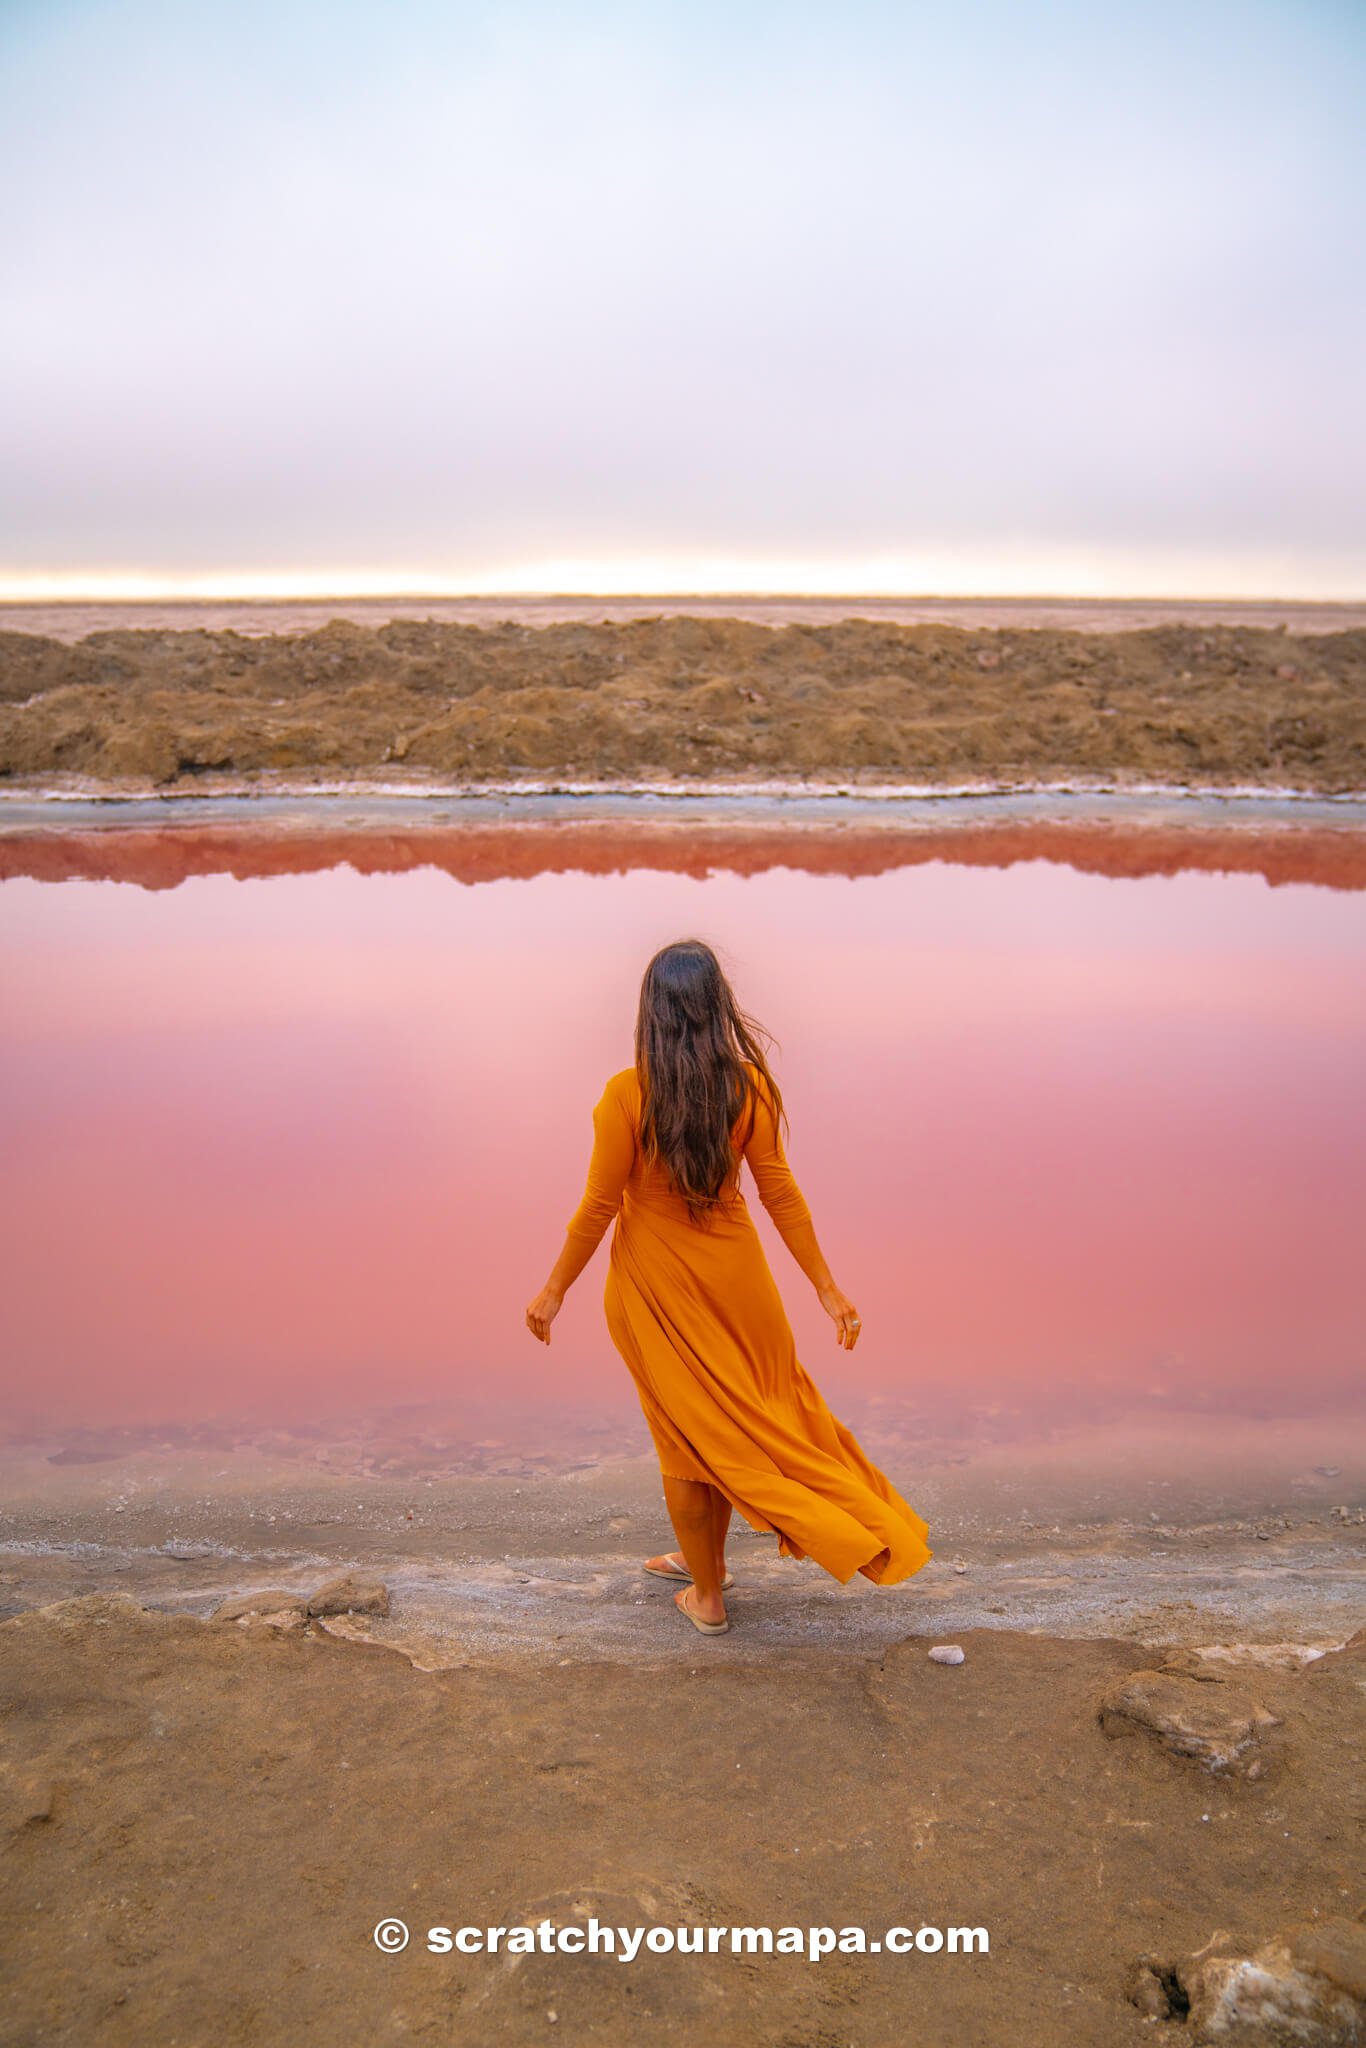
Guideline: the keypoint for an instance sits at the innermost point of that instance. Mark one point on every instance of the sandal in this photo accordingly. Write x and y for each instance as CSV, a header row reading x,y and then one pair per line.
x,y
708,1628
681,1572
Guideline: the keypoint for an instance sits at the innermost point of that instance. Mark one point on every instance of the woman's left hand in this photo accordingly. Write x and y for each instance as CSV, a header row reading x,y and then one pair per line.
x,y
842,1314
542,1312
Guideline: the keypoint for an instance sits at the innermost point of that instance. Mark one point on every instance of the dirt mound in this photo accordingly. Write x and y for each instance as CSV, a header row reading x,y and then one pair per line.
x,y
854,701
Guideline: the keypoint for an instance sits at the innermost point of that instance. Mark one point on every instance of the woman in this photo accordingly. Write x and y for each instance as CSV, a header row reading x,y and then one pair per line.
x,y
693,1308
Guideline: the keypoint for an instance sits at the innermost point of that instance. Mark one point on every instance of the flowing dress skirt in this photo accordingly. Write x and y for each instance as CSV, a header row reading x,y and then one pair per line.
x,y
697,1317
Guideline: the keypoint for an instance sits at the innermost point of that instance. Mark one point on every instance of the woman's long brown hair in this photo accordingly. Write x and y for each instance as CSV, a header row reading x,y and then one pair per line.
x,y
692,1039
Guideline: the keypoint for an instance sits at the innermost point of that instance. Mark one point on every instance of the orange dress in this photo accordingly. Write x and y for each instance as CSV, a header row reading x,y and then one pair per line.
x,y
695,1312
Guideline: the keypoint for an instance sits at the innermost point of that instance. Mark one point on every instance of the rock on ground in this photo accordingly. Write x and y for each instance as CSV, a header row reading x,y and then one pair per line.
x,y
350,1595
274,1602
1215,1724
1305,1988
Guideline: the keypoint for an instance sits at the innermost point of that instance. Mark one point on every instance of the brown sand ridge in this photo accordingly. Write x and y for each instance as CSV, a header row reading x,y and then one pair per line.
x,y
856,701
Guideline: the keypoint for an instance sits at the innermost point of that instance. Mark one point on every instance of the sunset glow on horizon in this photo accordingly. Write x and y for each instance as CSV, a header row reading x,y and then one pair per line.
x,y
1094,577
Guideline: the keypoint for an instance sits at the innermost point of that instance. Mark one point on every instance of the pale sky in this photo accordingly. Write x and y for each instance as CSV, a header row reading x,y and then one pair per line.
x,y
974,298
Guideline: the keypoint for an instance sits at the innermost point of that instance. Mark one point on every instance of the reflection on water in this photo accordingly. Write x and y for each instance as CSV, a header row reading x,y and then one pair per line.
x,y
1081,1134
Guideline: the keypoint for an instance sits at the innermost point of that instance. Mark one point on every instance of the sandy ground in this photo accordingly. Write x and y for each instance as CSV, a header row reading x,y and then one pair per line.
x,y
686,700
205,1821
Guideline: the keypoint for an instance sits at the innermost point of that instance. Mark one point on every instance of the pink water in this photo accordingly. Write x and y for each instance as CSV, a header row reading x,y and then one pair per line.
x,y
283,1147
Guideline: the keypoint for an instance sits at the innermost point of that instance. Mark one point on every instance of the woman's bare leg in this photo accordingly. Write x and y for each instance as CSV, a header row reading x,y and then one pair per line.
x,y
720,1523
720,1509
689,1502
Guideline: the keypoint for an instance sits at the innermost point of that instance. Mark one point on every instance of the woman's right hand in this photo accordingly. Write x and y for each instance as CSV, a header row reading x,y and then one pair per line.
x,y
842,1313
542,1312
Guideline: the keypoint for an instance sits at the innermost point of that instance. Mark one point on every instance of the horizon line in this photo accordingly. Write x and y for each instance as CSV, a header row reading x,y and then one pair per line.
x,y
746,593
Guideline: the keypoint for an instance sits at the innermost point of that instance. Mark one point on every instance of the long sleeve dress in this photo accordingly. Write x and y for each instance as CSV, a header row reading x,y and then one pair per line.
x,y
695,1312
